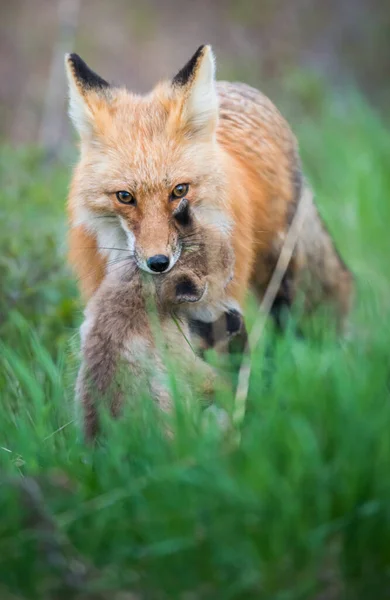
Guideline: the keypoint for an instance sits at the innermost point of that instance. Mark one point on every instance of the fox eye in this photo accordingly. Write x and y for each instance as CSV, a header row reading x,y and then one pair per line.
x,y
179,191
126,198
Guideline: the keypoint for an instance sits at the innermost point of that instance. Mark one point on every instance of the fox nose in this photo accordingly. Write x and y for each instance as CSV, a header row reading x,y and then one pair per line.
x,y
158,263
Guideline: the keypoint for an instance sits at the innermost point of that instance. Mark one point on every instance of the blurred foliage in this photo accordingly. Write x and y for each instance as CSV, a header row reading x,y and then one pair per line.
x,y
34,279
299,509
139,42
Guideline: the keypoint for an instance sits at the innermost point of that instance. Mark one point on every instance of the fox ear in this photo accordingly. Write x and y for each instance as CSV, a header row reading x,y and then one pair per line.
x,y
196,80
82,81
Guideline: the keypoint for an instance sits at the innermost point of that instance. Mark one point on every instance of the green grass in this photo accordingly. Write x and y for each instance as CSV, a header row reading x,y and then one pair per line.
x,y
300,508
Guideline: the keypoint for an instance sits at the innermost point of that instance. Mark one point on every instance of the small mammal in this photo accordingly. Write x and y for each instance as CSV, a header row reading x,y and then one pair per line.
x,y
222,146
119,350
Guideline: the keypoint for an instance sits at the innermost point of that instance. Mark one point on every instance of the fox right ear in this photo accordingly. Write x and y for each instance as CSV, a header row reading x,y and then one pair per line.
x,y
82,81
196,84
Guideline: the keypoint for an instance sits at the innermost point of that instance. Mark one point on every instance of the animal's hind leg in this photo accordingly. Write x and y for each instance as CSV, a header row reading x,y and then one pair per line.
x,y
90,390
97,378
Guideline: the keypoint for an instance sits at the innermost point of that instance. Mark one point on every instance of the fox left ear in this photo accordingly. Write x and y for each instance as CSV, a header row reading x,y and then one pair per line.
x,y
196,80
82,81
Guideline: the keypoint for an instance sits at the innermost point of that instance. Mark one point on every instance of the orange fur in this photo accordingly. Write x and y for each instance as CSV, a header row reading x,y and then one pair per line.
x,y
241,162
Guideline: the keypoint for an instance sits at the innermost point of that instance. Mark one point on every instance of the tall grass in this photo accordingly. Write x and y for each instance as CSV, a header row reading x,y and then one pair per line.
x,y
299,509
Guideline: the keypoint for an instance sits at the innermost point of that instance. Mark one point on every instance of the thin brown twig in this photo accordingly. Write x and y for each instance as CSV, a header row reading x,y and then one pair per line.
x,y
266,305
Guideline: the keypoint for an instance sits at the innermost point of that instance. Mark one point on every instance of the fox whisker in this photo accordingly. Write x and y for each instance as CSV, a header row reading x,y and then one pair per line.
x,y
109,263
120,263
105,217
108,248
102,248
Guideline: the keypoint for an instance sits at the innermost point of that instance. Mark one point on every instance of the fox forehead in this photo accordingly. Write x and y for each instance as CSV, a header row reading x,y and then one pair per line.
x,y
143,116
143,156
143,170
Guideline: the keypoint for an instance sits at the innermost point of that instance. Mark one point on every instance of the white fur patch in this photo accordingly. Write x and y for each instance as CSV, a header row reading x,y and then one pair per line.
x,y
112,240
201,108
79,112
217,217
129,234
85,327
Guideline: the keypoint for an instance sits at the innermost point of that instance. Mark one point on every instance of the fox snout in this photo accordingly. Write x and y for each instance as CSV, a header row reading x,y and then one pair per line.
x,y
157,261
157,238
158,244
156,248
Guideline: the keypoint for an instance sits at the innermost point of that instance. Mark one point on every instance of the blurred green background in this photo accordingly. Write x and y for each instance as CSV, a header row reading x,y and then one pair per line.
x,y
300,508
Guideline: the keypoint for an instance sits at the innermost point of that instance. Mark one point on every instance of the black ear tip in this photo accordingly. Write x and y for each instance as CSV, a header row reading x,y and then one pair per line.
x,y
73,57
85,75
187,72
200,49
74,60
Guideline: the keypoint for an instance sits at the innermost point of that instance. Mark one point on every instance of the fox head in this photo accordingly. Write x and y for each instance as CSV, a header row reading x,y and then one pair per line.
x,y
141,155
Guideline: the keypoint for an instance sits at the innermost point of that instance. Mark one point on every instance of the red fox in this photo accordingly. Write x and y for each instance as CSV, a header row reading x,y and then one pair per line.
x,y
119,351
226,149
